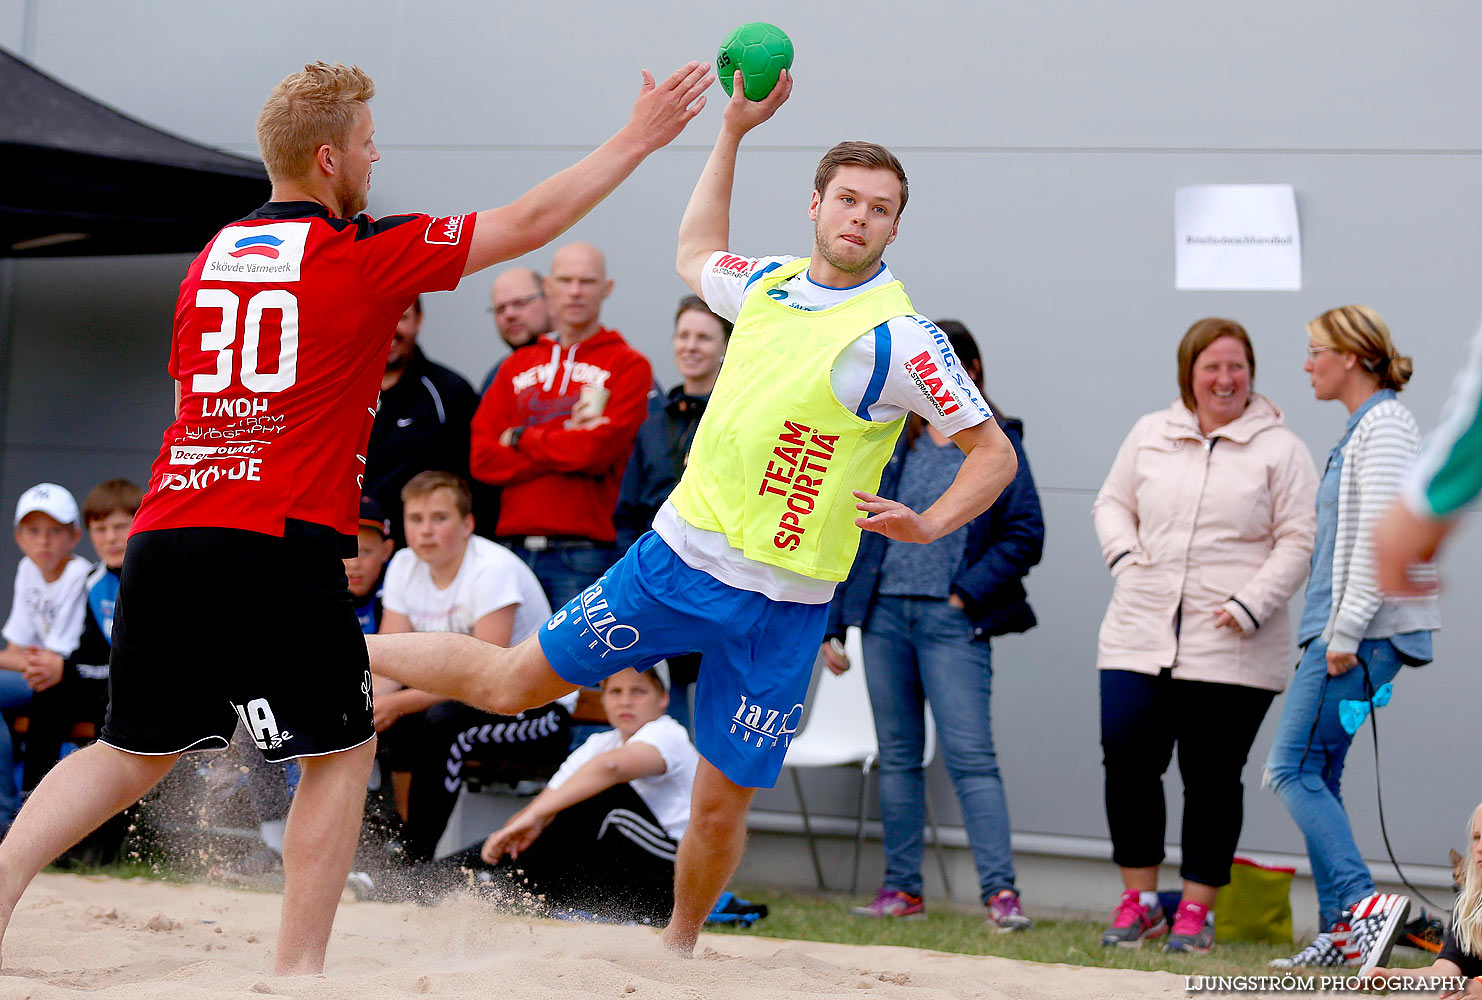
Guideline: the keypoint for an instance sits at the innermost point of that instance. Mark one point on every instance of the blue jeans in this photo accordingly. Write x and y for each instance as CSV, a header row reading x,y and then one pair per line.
x,y
15,693
918,650
1306,768
564,573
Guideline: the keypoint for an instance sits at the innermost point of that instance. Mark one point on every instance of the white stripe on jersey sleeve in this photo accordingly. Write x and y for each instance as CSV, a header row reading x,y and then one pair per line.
x,y
723,282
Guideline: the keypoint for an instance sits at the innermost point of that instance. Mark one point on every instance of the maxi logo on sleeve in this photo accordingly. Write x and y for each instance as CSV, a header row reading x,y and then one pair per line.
x,y
923,372
732,266
796,470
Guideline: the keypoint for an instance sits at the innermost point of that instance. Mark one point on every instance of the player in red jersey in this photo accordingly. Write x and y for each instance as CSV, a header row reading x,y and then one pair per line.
x,y
233,603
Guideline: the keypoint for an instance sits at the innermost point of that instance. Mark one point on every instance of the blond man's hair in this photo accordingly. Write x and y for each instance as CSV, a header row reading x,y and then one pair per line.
x,y
309,109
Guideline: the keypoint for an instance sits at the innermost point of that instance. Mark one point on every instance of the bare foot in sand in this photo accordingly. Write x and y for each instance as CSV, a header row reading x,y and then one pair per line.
x,y
678,945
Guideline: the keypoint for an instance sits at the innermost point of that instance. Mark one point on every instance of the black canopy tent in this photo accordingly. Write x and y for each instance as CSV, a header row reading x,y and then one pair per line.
x,y
78,178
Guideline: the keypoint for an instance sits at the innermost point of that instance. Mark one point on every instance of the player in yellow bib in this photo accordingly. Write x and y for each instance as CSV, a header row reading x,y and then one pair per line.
x,y
826,359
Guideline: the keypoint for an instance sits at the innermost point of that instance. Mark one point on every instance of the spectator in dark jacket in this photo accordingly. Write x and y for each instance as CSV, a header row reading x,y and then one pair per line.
x,y
663,445
422,422
663,442
927,613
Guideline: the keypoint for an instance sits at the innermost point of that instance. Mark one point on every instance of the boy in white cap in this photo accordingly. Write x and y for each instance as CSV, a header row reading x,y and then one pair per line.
x,y
46,612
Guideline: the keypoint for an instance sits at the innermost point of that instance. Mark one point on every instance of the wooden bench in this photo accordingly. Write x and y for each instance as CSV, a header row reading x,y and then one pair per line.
x,y
81,732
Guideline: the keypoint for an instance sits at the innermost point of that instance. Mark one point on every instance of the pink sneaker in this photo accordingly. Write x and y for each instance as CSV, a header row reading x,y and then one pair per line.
x,y
1133,923
892,903
1005,913
1193,929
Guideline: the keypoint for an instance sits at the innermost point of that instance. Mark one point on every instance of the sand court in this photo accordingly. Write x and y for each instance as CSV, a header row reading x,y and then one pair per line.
x,y
136,938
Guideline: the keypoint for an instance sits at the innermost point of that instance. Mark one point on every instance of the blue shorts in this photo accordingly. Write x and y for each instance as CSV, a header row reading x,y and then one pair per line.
x,y
757,654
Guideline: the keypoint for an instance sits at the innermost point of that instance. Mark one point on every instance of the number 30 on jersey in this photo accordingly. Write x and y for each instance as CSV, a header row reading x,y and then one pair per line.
x,y
223,339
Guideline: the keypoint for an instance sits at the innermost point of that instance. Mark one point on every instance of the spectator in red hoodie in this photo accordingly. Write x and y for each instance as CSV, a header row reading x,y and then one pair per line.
x,y
555,428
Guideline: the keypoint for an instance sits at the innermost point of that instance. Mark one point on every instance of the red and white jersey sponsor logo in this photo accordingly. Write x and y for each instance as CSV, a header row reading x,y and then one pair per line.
x,y
732,266
924,372
257,253
796,471
446,231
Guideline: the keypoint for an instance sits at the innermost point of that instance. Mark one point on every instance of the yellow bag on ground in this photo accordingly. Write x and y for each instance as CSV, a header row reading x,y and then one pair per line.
x,y
1256,905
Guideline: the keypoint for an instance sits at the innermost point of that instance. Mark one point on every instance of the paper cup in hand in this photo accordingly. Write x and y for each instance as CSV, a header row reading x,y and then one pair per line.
x,y
590,403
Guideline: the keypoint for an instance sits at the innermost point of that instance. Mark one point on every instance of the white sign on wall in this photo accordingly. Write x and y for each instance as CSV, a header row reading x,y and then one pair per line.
x,y
1236,237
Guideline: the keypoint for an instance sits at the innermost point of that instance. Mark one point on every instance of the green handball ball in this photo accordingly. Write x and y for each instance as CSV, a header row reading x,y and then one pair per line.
x,y
761,51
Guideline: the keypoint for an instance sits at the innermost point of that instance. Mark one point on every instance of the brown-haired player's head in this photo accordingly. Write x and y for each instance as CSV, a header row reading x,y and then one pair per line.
x,y
853,153
315,129
859,193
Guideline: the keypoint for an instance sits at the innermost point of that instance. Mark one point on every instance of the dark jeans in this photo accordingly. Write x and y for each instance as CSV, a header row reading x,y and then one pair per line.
x,y
53,713
1143,716
564,573
606,855
529,745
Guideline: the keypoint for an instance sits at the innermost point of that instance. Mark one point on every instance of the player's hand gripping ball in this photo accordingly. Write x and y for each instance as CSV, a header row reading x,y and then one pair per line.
x,y
761,51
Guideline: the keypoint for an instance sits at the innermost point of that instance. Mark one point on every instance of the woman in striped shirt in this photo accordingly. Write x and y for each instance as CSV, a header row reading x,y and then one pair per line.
x,y
1353,639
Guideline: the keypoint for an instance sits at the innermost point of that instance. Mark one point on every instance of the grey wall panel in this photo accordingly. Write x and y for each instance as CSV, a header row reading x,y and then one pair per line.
x,y
1066,74
12,24
1044,146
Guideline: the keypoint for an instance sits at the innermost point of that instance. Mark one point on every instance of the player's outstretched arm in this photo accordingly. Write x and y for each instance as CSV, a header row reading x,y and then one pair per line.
x,y
706,226
988,466
553,206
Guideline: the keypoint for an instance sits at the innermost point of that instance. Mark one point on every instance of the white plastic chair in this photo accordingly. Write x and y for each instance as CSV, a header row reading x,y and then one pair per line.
x,y
840,730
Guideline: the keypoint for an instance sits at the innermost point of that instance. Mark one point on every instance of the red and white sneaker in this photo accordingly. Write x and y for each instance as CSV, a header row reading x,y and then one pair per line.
x,y
1133,922
1378,921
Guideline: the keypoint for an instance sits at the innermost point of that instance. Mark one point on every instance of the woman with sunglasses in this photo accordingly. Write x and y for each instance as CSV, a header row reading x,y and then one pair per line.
x,y
1353,639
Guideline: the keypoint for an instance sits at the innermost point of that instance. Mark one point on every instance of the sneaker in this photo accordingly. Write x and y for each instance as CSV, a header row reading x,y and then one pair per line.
x,y
1378,921
892,903
1425,932
1193,929
1322,953
1005,913
1133,923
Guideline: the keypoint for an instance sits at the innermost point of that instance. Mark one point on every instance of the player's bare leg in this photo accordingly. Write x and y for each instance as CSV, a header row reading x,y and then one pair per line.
x,y
73,800
493,678
708,854
318,847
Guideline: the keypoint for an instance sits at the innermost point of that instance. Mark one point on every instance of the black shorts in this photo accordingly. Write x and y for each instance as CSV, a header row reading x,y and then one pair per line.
x,y
215,626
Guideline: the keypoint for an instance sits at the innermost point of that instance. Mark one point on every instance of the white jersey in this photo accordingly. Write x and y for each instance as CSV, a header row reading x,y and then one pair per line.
x,y
667,795
49,615
489,578
877,377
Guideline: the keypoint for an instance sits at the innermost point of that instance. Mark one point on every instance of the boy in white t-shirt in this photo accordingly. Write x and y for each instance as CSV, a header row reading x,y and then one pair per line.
x,y
448,579
46,613
601,838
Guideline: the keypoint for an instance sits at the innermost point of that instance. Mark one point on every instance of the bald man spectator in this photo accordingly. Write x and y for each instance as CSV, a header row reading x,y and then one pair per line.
x,y
560,465
421,421
521,315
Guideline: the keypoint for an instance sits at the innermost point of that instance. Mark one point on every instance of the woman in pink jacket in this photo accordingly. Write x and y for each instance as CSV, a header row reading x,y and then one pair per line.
x,y
1206,521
